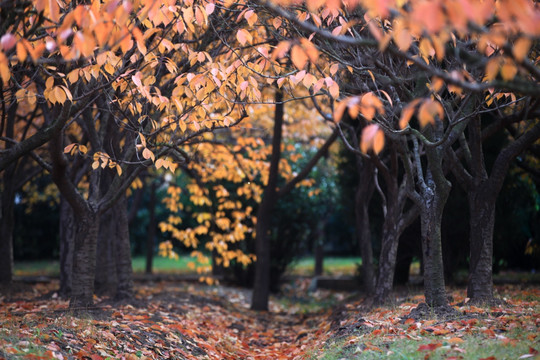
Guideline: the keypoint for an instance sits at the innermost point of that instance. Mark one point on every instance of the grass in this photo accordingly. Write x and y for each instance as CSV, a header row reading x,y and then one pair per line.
x,y
331,266
511,345
305,266
51,267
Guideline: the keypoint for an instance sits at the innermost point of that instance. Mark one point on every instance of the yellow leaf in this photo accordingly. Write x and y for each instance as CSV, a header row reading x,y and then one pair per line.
x,y
95,165
119,170
83,149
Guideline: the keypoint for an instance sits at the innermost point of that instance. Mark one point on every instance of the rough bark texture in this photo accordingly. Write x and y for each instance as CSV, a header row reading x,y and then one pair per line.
x,y
7,225
67,239
151,229
106,279
86,234
261,287
363,195
387,262
430,220
482,222
124,269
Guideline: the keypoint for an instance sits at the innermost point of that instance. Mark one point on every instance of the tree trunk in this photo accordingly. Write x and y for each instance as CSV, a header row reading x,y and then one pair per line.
x,y
106,279
482,222
124,269
151,229
319,259
84,265
430,220
7,225
67,236
261,286
387,260
363,195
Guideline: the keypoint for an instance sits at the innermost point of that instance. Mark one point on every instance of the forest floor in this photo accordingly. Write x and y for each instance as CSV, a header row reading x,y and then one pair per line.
x,y
171,320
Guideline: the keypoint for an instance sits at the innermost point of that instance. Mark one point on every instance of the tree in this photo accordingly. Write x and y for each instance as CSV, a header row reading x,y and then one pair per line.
x,y
433,43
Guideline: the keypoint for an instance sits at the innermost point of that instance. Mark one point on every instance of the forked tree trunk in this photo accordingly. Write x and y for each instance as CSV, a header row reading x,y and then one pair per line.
x,y
67,236
84,264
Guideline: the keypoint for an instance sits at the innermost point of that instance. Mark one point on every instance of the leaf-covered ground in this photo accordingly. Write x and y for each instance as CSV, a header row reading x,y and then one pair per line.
x,y
185,321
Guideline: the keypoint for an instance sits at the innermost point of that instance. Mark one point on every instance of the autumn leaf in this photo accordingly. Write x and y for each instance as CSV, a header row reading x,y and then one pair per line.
x,y
429,347
244,37
521,48
428,112
299,57
372,139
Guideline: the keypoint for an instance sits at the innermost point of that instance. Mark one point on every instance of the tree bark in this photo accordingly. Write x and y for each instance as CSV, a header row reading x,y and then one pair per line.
x,y
84,265
261,287
124,268
106,279
430,220
67,238
387,261
482,222
151,229
7,225
363,195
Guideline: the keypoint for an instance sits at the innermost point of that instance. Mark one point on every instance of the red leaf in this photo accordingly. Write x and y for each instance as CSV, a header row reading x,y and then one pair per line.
x,y
429,347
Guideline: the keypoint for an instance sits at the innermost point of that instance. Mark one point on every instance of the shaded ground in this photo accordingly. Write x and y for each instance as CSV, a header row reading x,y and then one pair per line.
x,y
171,320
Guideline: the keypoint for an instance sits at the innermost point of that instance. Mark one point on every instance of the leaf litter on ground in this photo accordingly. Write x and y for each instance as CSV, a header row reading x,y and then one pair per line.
x,y
168,320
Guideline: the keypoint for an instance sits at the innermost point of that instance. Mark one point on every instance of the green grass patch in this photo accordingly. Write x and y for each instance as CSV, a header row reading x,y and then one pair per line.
x,y
52,267
331,266
304,266
512,345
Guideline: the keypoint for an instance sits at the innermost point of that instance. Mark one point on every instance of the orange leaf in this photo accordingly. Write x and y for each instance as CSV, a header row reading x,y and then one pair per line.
x,y
455,340
372,139
508,70
521,48
429,347
298,57
244,37
428,110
